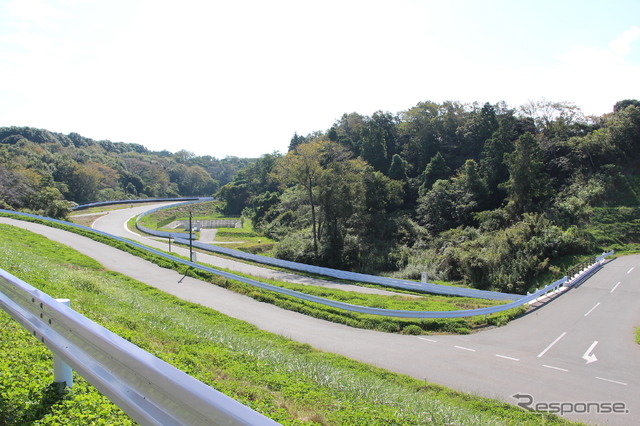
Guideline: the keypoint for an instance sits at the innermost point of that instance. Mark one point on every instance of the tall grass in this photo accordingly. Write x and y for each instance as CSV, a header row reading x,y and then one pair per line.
x,y
287,381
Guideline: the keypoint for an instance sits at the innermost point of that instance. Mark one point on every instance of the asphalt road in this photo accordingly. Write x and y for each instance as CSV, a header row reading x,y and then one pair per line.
x,y
114,223
577,354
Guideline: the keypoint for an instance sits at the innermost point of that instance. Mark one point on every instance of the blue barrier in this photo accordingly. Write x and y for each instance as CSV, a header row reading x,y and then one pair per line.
x,y
182,238
316,299
138,201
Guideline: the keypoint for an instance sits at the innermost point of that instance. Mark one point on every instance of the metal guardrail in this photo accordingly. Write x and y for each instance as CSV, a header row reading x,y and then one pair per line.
x,y
182,238
329,302
138,201
167,234
148,389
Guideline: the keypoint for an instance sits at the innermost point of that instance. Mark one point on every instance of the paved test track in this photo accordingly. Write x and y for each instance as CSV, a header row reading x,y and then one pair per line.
x,y
543,354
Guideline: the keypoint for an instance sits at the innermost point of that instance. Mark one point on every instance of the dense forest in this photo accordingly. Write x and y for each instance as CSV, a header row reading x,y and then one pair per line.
x,y
486,194
46,172
489,195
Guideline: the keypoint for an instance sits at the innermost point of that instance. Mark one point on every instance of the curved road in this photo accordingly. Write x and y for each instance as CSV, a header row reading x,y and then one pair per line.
x,y
115,222
577,354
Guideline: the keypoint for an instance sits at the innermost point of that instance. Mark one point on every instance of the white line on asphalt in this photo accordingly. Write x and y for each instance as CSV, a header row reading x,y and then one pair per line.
x,y
629,271
614,287
552,343
591,310
465,349
428,340
126,227
507,357
612,381
554,368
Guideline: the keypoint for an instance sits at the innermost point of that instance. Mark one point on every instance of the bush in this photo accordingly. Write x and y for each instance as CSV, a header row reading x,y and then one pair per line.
x,y
412,330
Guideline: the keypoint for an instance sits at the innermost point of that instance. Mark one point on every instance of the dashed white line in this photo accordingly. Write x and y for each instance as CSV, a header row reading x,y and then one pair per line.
x,y
591,310
612,381
555,368
465,349
629,271
552,343
428,340
614,287
507,357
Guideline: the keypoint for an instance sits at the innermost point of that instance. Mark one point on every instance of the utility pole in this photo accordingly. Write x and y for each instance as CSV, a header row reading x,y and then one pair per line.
x,y
190,237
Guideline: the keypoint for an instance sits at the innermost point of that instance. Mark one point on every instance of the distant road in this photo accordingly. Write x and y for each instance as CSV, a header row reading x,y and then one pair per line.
x,y
578,349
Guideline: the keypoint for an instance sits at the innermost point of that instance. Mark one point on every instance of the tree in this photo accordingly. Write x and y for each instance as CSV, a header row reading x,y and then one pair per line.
x,y
302,166
379,140
417,140
553,119
528,184
435,170
398,169
348,132
492,164
452,202
296,140
624,128
478,129
621,105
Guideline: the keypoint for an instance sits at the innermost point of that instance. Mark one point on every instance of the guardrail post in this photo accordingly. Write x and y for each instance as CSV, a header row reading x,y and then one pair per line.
x,y
62,372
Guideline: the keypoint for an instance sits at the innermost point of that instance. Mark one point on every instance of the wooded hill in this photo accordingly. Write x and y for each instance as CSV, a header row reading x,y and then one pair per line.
x,y
486,194
46,172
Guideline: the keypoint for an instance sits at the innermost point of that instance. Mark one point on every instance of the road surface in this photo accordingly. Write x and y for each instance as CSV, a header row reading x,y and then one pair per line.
x,y
576,354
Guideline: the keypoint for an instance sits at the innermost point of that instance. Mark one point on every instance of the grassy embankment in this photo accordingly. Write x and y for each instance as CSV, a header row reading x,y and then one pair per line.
x,y
244,238
287,381
412,301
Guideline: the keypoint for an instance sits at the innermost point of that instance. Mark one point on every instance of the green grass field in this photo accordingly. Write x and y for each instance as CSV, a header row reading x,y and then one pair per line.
x,y
388,324
285,380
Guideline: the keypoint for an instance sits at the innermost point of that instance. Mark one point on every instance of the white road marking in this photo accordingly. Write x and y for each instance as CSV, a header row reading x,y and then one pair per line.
x,y
588,356
629,271
507,357
428,340
612,381
465,349
614,287
126,228
552,343
555,368
591,310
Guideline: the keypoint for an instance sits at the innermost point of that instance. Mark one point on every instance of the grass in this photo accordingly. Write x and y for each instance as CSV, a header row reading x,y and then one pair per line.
x,y
616,228
353,319
244,238
287,381
638,335
200,211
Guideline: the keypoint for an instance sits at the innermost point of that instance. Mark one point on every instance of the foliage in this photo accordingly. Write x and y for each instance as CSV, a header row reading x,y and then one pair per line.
x,y
381,193
485,194
287,381
45,172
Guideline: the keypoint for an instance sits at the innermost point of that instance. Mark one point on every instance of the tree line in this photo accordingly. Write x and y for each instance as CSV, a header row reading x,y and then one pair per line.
x,y
47,172
483,193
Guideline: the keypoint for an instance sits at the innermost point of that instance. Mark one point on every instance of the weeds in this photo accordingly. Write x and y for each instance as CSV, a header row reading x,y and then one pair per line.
x,y
287,381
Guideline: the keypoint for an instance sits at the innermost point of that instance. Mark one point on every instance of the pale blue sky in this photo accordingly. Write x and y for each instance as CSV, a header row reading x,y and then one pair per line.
x,y
239,78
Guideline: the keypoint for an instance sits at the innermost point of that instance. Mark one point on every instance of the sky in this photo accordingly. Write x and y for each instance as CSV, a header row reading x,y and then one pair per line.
x,y
238,78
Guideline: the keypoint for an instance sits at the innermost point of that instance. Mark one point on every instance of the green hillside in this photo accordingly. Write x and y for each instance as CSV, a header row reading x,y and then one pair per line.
x,y
488,195
46,172
289,382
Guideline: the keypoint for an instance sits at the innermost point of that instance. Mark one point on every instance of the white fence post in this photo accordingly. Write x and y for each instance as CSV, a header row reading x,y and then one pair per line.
x,y
62,372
